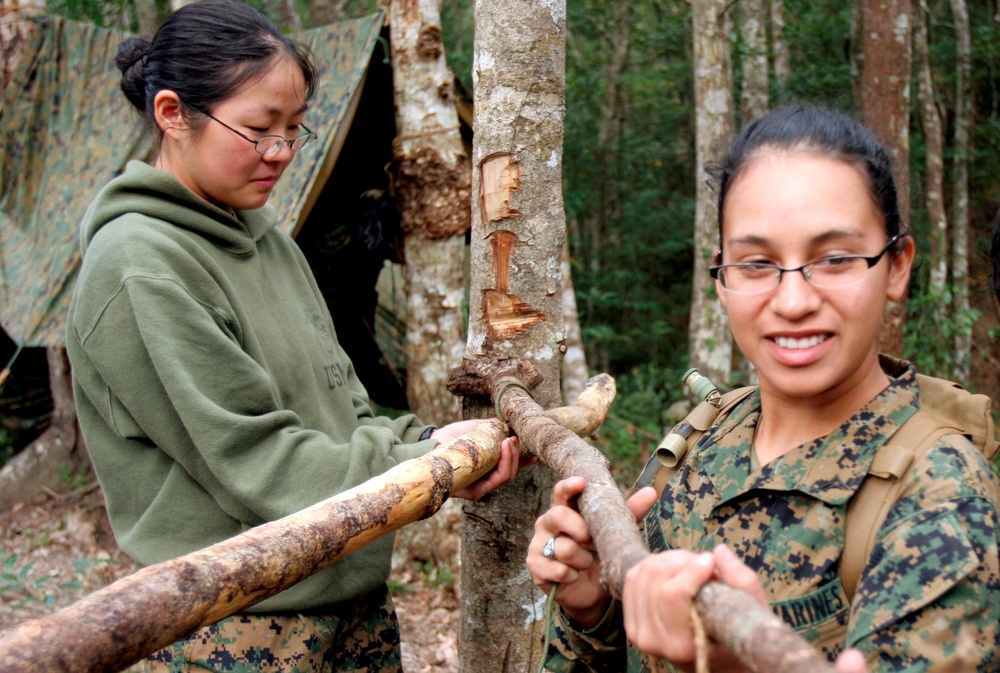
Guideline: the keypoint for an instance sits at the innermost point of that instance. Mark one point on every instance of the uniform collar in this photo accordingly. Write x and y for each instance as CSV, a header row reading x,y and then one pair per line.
x,y
829,469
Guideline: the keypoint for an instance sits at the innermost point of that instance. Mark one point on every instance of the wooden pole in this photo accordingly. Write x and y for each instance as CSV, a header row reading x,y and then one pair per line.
x,y
763,642
121,624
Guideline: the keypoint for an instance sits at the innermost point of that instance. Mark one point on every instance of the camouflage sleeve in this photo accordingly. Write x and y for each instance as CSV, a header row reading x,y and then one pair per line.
x,y
930,596
599,649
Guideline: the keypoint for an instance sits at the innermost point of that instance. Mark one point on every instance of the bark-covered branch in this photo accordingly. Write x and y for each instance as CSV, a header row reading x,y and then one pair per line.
x,y
761,640
111,629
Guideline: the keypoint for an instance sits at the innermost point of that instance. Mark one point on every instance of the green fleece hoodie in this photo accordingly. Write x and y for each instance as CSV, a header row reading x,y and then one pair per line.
x,y
211,389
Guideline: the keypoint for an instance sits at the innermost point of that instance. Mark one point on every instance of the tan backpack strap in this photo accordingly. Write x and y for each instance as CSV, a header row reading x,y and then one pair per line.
x,y
870,505
694,425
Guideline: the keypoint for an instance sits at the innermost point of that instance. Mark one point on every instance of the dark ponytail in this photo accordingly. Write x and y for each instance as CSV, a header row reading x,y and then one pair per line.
x,y
131,54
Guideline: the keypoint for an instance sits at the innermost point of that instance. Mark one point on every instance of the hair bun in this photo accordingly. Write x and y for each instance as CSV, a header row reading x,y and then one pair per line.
x,y
133,83
131,51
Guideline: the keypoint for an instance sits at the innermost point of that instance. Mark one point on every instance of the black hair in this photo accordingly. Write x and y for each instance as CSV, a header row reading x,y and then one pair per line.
x,y
204,52
821,131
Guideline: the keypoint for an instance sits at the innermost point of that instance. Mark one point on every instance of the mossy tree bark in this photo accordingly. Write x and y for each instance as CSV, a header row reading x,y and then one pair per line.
x,y
517,237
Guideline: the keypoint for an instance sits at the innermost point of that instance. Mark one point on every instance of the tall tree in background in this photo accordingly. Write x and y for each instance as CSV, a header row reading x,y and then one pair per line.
x,y
574,365
433,186
885,109
779,47
147,16
754,89
930,119
710,340
960,190
754,95
515,301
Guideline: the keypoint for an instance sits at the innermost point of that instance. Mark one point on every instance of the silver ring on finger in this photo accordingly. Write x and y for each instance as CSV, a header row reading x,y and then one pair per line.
x,y
549,549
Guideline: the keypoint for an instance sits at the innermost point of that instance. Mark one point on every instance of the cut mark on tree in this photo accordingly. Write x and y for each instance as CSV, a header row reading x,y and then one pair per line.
x,y
505,314
500,175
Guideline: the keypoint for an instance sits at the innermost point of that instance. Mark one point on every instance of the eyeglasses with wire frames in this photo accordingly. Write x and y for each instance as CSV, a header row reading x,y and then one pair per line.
x,y
829,272
266,145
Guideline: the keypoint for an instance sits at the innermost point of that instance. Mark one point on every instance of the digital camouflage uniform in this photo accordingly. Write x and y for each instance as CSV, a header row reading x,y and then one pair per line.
x,y
933,569
363,637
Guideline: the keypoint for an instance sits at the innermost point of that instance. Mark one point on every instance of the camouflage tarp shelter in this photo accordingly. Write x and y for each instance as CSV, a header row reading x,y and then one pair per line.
x,y
66,129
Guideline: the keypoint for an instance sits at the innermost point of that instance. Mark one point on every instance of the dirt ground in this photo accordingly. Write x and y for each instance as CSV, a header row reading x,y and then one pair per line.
x,y
61,548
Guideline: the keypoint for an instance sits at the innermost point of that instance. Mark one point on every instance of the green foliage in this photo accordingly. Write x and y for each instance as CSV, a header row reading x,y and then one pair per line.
x,y
638,420
930,331
819,43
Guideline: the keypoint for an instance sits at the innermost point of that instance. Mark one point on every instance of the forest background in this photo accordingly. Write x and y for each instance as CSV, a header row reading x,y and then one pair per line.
x,y
634,192
630,180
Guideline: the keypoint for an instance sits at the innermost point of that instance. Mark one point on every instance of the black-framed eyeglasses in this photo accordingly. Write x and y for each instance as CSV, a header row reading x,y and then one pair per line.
x,y
829,272
270,144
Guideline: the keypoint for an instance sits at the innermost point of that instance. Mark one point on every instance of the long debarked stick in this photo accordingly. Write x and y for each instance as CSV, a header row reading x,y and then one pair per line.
x,y
763,642
121,624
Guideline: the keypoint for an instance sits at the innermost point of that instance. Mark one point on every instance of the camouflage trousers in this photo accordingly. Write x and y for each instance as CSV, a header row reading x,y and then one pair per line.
x,y
355,636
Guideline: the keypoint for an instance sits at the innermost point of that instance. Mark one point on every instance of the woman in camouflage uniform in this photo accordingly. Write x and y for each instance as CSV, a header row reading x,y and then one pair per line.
x,y
811,250
211,388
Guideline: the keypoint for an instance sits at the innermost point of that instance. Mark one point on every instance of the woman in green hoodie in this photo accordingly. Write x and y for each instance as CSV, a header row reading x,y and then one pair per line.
x,y
211,388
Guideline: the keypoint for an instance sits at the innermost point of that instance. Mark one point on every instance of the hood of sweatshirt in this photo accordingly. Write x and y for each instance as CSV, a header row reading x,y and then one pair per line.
x,y
145,190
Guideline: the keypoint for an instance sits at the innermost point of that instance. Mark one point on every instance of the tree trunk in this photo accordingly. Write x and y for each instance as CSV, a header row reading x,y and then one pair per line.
x,y
433,184
58,451
147,16
16,28
885,106
960,191
930,118
515,304
782,65
574,364
754,98
710,340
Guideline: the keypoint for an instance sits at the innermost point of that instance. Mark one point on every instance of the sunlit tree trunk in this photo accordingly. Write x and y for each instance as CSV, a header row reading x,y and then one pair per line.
x,y
15,32
574,364
711,343
754,98
433,189
147,16
960,189
885,106
779,48
930,118
515,310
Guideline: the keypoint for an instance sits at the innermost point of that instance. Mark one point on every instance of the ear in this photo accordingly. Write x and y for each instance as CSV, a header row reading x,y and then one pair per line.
x,y
900,266
169,113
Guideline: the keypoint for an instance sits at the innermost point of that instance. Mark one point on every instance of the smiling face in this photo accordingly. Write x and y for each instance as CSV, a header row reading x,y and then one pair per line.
x,y
789,208
217,164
